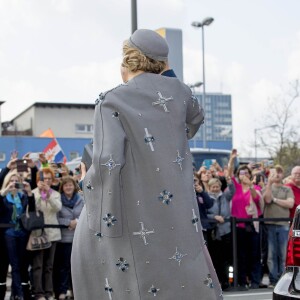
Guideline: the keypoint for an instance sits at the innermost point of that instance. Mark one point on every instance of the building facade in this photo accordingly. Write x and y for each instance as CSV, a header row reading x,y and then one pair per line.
x,y
218,122
67,120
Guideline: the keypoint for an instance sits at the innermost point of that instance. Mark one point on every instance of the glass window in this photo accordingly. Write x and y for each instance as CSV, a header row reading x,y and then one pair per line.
x,y
84,128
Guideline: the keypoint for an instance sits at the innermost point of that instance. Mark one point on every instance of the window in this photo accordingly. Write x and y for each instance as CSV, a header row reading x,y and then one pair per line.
x,y
2,156
84,128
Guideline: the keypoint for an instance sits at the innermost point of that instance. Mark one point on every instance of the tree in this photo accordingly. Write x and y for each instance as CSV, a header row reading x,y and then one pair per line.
x,y
283,142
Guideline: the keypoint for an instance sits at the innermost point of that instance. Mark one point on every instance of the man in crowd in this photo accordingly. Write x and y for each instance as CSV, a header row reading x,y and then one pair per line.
x,y
294,184
279,200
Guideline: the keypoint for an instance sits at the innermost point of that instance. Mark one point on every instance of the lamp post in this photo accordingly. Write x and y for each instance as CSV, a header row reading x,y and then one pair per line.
x,y
133,16
255,137
205,22
195,85
1,102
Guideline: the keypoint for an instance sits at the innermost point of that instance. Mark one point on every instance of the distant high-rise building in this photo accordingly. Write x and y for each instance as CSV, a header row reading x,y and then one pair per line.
x,y
218,122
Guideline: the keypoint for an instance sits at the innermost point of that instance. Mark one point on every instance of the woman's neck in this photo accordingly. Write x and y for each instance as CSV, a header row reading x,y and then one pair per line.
x,y
131,75
68,196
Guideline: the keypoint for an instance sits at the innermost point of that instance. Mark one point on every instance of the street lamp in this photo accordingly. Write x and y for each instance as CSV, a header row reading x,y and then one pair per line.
x,y
195,85
133,16
205,22
255,137
1,102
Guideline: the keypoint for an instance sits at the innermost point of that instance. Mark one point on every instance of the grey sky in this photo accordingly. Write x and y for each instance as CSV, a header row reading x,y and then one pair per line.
x,y
69,50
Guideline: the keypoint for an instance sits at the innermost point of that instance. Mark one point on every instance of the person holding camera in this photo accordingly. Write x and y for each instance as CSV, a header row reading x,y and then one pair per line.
x,y
4,261
48,201
246,204
14,197
279,200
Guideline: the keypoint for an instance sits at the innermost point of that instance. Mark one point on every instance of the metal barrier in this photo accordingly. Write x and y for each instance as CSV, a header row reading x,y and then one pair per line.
x,y
234,221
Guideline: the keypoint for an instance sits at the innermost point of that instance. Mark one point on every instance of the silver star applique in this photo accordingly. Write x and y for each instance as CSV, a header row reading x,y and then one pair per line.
x,y
162,101
179,160
143,233
110,164
178,256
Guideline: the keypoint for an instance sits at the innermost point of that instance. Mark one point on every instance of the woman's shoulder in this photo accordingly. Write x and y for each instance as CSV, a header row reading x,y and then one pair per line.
x,y
111,93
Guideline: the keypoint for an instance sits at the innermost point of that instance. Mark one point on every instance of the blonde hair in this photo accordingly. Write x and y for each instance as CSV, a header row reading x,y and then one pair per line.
x,y
8,177
134,60
214,181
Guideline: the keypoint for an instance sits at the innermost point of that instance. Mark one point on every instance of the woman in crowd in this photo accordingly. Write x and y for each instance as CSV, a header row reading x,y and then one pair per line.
x,y
245,204
72,204
219,237
49,202
13,201
204,203
204,176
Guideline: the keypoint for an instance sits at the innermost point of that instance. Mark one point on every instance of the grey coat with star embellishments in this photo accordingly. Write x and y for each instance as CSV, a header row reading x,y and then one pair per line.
x,y
139,234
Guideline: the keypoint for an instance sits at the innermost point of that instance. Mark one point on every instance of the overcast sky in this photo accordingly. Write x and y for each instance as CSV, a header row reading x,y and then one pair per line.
x,y
70,50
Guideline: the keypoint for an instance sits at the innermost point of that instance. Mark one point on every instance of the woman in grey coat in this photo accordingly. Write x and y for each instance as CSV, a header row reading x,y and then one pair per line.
x,y
72,204
219,237
139,234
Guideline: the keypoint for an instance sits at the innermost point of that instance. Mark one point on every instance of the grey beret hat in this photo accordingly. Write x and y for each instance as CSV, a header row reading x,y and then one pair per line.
x,y
150,43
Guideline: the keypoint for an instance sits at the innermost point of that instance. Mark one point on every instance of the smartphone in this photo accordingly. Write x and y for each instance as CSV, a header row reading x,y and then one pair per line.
x,y
22,165
207,163
273,172
58,175
41,175
19,185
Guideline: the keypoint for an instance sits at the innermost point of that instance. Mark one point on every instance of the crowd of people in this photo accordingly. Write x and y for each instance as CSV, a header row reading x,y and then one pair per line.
x,y
54,191
245,191
253,190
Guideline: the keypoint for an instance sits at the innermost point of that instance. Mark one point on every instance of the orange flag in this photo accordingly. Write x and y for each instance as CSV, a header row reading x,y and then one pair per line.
x,y
47,133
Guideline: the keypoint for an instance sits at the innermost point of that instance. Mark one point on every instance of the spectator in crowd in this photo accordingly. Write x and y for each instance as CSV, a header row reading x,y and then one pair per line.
x,y
13,202
4,261
245,204
219,238
72,204
204,176
279,199
49,202
204,202
294,184
259,179
217,172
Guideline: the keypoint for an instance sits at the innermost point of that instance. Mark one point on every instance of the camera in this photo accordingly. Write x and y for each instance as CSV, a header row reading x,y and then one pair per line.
x,y
41,176
22,165
58,175
19,185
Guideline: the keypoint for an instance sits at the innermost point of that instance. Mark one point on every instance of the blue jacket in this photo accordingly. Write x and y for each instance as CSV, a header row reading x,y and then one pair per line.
x,y
204,203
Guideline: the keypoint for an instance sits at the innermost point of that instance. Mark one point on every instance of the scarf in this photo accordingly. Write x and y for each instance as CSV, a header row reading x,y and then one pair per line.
x,y
17,208
69,202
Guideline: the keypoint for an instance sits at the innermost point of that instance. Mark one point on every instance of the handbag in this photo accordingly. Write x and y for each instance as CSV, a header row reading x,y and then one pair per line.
x,y
38,242
32,220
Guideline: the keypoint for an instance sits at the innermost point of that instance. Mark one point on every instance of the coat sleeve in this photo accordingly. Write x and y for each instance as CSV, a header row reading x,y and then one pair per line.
x,y
194,115
102,184
55,201
229,192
